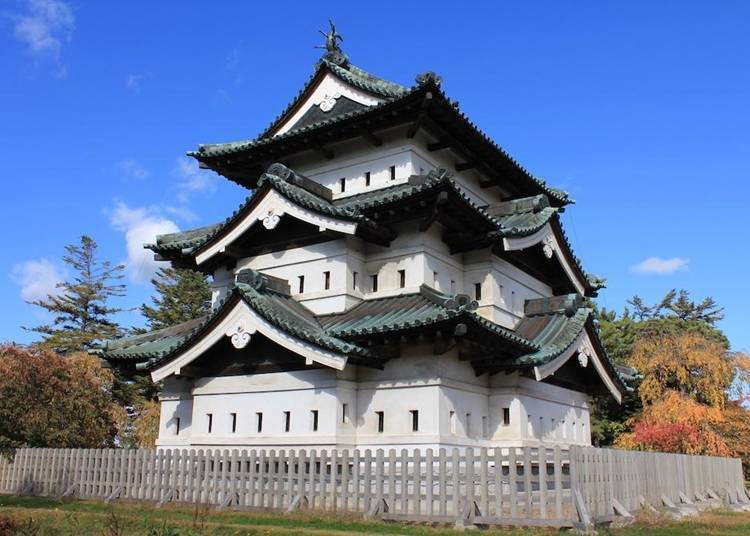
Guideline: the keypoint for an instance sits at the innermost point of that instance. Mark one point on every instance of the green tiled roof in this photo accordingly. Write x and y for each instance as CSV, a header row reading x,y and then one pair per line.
x,y
276,307
391,93
351,74
357,208
408,311
549,328
277,177
551,333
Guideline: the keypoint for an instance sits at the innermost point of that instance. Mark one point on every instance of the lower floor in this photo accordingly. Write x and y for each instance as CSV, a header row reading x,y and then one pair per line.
x,y
416,402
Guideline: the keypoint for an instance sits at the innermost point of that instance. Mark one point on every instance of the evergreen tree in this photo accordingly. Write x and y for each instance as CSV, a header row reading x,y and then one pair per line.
x,y
182,294
81,310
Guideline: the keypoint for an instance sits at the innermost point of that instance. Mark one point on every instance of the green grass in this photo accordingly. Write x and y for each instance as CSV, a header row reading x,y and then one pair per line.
x,y
47,516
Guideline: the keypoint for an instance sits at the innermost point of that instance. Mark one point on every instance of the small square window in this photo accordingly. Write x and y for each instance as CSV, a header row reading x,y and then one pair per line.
x,y
345,413
402,278
326,280
287,420
374,281
381,421
414,420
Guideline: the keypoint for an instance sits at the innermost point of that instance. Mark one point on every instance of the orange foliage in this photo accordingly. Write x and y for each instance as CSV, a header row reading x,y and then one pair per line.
x,y
676,423
697,368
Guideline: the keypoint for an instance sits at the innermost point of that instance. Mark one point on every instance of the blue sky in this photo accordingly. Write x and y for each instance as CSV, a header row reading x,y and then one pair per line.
x,y
641,110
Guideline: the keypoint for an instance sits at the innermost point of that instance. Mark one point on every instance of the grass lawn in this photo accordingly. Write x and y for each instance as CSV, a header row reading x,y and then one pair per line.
x,y
43,516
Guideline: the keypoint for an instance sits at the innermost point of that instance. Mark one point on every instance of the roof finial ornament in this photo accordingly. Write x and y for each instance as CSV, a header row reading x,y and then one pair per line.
x,y
333,54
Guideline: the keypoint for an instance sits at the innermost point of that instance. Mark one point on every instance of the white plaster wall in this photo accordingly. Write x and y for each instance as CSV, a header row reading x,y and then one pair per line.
x,y
433,385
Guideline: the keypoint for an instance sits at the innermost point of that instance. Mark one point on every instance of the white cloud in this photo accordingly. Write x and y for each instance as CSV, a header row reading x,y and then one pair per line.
x,y
37,278
141,226
192,179
659,266
133,83
43,27
132,169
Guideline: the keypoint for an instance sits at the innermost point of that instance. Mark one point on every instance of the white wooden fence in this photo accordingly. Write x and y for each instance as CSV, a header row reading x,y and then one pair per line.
x,y
542,485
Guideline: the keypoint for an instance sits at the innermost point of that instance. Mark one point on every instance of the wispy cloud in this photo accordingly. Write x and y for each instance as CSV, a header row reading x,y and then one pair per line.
x,y
132,169
659,266
191,179
43,26
38,278
140,226
133,83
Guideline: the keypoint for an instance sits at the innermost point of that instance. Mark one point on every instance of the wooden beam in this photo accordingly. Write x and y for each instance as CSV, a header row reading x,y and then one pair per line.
x,y
464,166
372,138
421,116
438,145
320,149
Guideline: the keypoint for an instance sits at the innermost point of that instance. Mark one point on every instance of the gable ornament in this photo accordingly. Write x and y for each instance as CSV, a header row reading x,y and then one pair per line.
x,y
548,246
328,101
240,335
583,356
271,220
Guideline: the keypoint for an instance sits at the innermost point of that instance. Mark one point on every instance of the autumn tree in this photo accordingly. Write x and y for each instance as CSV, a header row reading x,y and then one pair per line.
x,y
689,364
47,400
81,310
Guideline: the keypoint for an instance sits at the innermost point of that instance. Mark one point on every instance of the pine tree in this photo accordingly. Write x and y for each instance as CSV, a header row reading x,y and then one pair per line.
x,y
81,311
182,294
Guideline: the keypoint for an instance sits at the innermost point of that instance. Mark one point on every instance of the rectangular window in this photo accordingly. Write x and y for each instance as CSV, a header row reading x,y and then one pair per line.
x,y
177,426
381,421
414,420
374,282
210,421
367,178
468,424
453,286
402,278
234,421
354,280
326,280
485,429
287,420
314,420
259,422
342,184
301,284
452,417
393,172
435,280
506,416
345,413
477,291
